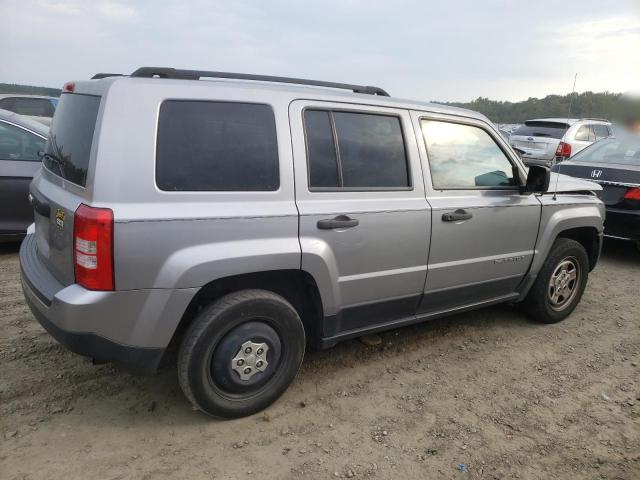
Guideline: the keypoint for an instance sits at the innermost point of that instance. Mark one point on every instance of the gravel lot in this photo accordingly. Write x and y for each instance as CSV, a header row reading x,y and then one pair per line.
x,y
503,396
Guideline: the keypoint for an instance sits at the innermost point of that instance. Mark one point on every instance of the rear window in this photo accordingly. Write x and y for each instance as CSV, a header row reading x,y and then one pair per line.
x,y
71,135
623,151
542,129
37,107
216,146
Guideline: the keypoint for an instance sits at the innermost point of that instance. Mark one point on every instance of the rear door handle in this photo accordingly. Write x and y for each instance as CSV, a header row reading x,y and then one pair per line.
x,y
456,216
341,221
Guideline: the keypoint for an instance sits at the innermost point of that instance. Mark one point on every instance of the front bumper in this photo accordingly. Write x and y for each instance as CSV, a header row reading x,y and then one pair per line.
x,y
130,328
623,224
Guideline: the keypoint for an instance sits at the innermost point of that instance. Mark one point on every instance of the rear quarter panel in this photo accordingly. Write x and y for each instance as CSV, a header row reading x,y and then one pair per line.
x,y
176,240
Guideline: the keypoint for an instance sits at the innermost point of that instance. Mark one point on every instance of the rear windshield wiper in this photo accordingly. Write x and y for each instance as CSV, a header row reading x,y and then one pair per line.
x,y
54,159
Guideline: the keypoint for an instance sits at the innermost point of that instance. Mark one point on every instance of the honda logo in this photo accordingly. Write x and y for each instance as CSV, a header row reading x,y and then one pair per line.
x,y
596,173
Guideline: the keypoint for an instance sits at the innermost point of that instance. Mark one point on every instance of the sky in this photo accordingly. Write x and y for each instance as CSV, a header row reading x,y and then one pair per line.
x,y
445,50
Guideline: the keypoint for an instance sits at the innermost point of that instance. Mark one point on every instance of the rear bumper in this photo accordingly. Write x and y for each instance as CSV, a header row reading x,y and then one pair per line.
x,y
623,224
131,328
135,359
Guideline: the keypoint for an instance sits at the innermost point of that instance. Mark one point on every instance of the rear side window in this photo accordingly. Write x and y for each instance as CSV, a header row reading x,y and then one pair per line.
x,y
601,131
585,134
541,129
355,150
71,135
216,146
37,107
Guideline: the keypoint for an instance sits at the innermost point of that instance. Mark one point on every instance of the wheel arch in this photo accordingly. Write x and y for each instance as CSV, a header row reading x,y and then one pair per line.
x,y
587,237
582,223
296,286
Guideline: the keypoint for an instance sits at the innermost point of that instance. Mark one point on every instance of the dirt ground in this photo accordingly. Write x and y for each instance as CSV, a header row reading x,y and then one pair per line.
x,y
487,394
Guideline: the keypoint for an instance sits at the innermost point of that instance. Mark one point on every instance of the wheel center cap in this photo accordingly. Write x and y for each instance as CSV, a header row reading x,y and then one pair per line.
x,y
250,359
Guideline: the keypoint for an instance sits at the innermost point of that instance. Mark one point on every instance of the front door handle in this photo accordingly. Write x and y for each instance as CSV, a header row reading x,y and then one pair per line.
x,y
341,221
456,216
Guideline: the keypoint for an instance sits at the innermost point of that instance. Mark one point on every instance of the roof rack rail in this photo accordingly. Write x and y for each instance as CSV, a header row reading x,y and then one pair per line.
x,y
163,72
98,76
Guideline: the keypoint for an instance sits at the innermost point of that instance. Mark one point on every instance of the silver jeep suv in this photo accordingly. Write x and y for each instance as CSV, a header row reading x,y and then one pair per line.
x,y
246,218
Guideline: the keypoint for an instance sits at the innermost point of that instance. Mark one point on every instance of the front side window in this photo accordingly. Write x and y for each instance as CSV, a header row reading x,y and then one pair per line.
x,y
216,146
18,144
464,156
355,150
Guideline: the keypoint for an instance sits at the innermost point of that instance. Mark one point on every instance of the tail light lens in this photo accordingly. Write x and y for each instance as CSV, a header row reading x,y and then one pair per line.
x,y
69,87
632,194
563,150
93,247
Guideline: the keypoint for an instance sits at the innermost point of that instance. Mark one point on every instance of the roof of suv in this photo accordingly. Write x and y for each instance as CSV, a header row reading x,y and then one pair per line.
x,y
569,121
25,95
318,92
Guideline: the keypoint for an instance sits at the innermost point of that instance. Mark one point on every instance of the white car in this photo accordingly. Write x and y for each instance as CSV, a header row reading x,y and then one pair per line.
x,y
38,107
545,141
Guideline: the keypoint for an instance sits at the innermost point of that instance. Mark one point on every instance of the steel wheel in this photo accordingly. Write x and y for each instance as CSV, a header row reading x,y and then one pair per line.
x,y
245,358
563,283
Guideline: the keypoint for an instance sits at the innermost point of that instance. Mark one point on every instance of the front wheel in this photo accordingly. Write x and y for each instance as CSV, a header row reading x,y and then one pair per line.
x,y
241,353
560,283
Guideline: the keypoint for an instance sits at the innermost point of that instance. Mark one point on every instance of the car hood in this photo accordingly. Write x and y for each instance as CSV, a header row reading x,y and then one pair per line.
x,y
565,183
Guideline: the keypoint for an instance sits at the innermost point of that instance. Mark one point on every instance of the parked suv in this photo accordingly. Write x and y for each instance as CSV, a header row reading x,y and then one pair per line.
x,y
248,218
546,141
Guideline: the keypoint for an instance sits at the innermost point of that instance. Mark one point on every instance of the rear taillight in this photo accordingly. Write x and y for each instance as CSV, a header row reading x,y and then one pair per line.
x,y
69,87
632,194
93,247
563,150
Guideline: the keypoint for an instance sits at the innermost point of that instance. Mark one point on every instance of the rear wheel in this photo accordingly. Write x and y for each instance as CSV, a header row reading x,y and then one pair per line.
x,y
241,353
560,283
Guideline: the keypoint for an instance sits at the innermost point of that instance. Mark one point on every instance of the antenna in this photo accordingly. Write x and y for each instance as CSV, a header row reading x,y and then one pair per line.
x,y
555,190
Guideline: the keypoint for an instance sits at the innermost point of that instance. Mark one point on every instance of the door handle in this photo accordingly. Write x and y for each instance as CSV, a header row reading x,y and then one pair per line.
x,y
456,216
341,221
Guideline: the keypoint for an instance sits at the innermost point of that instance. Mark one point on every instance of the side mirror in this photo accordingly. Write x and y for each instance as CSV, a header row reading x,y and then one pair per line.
x,y
537,180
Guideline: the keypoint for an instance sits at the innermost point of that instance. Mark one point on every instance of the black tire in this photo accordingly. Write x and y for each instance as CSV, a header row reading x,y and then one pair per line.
x,y
538,304
216,338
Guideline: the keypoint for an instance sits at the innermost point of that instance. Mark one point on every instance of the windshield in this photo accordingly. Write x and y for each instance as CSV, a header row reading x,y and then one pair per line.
x,y
542,129
71,136
625,151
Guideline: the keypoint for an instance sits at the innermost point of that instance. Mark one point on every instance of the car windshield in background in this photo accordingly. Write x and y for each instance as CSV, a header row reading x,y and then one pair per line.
x,y
542,129
71,136
625,151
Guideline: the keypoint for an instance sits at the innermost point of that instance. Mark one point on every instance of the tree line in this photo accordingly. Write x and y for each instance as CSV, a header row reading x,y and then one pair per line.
x,y
583,105
28,90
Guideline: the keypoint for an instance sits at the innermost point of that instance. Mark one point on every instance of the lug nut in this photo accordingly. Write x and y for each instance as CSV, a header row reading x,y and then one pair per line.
x,y
259,363
240,362
247,350
260,351
247,371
